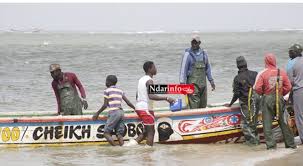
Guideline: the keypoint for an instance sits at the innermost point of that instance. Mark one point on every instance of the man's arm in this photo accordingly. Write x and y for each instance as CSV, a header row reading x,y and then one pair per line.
x,y
104,106
57,97
290,74
128,102
286,84
288,66
184,68
82,91
208,71
236,91
259,84
79,85
156,97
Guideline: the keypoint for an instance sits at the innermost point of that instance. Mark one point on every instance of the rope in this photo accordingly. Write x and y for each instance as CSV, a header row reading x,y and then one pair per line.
x,y
249,100
277,95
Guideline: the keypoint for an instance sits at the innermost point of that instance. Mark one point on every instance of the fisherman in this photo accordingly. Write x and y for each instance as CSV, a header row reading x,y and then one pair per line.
x,y
113,97
273,84
195,67
243,90
64,86
293,52
295,74
144,106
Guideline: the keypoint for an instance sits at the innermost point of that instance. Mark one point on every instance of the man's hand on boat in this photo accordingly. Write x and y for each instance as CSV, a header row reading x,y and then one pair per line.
x,y
95,117
227,105
170,100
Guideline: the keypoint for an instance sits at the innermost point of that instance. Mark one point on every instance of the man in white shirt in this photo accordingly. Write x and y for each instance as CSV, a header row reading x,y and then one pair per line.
x,y
144,107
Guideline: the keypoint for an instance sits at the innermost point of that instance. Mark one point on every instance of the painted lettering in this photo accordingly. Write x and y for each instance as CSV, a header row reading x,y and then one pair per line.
x,y
58,132
100,132
86,131
65,132
6,134
35,133
131,129
15,135
72,132
49,132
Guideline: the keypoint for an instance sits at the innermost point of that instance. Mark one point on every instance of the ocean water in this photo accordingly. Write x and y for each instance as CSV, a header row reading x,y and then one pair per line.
x,y
25,85
159,155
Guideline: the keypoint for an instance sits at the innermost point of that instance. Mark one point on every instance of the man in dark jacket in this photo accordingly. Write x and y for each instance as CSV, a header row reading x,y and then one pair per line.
x,y
243,90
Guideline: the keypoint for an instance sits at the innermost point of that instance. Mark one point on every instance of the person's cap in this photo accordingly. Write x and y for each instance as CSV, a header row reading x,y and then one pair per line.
x,y
54,67
195,37
296,47
241,61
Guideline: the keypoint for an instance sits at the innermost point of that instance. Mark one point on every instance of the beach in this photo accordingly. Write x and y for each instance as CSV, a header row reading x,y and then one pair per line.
x,y
26,86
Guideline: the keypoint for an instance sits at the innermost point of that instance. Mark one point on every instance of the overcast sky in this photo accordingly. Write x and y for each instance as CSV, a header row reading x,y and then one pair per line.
x,y
151,17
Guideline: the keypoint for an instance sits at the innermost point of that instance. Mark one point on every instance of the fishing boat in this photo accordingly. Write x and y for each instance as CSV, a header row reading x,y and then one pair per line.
x,y
209,125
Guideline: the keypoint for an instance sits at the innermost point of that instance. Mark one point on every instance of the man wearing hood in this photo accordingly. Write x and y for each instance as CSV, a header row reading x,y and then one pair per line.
x,y
242,89
295,74
273,84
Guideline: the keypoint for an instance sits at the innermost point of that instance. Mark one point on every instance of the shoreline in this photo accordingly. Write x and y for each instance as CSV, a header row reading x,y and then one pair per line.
x,y
293,159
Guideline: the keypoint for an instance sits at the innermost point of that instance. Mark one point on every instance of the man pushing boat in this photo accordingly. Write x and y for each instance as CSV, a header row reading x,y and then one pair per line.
x,y
144,106
113,97
243,90
64,86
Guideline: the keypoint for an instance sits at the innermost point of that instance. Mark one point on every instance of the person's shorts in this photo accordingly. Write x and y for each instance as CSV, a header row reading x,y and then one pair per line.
x,y
146,116
115,122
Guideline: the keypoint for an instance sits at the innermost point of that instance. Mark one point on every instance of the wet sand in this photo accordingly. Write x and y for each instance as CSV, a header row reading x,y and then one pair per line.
x,y
294,159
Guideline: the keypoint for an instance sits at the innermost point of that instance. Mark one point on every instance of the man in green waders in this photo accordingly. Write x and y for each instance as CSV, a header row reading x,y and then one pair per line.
x,y
273,84
64,86
195,67
248,99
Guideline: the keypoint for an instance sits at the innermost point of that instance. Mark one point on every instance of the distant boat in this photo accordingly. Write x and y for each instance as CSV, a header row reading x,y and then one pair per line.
x,y
45,43
33,30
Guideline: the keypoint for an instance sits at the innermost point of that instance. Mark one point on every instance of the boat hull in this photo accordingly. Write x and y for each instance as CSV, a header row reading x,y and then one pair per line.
x,y
210,125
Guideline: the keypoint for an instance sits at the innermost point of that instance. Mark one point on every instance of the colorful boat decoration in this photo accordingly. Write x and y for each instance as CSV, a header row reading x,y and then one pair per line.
x,y
209,125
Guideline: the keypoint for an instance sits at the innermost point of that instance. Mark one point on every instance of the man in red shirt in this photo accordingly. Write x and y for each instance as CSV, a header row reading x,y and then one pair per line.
x,y
273,84
64,86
